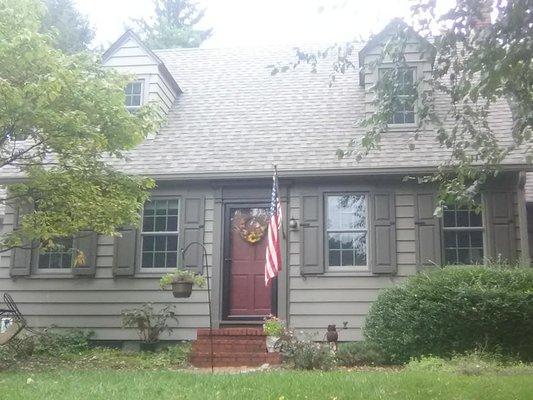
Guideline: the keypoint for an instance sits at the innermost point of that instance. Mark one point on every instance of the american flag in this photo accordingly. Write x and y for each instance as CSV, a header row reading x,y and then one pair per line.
x,y
273,251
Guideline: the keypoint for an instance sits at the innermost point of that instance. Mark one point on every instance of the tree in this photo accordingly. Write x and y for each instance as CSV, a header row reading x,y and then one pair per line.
x,y
63,124
478,64
71,30
174,25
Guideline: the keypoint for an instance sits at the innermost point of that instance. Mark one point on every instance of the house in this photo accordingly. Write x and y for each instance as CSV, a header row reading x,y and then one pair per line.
x,y
350,228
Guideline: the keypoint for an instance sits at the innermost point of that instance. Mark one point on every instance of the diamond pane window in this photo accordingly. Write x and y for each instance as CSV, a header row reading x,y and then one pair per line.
x,y
160,234
346,230
463,235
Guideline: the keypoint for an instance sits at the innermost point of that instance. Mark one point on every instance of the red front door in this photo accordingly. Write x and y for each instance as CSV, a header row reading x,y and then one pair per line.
x,y
248,296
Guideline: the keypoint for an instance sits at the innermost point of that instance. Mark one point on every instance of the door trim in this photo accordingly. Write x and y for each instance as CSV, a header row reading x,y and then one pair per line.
x,y
226,264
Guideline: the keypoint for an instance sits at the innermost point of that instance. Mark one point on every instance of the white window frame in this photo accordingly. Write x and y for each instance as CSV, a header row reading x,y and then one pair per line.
x,y
142,95
144,233
46,270
405,125
366,229
464,229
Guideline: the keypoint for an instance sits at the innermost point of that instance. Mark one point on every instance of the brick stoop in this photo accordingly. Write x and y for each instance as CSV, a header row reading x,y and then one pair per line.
x,y
232,347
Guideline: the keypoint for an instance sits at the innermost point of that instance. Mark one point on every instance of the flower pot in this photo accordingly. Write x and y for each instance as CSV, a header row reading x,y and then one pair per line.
x,y
182,289
271,342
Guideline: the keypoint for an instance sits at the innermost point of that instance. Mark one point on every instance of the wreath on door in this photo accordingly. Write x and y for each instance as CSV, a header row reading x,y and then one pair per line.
x,y
251,228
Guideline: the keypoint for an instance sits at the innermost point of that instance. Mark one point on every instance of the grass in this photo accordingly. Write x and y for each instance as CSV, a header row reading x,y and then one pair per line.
x,y
278,385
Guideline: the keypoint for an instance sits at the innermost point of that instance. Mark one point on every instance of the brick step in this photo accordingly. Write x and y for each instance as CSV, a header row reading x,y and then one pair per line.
x,y
229,347
235,360
230,332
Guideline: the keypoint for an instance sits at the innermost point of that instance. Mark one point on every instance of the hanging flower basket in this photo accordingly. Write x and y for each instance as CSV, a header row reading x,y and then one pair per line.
x,y
181,281
182,289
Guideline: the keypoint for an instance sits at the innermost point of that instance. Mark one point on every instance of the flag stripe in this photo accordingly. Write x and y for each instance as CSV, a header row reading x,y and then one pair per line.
x,y
273,250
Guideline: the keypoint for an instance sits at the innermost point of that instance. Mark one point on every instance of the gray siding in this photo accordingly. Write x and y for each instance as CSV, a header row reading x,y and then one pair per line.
x,y
338,297
309,303
96,303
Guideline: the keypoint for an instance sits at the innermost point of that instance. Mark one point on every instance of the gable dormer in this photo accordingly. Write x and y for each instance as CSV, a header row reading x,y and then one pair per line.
x,y
374,60
153,82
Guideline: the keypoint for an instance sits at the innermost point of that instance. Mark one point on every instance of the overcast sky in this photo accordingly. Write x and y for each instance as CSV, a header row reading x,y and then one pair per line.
x,y
238,23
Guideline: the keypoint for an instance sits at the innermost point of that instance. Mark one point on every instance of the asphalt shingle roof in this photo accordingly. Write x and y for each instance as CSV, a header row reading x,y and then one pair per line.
x,y
234,117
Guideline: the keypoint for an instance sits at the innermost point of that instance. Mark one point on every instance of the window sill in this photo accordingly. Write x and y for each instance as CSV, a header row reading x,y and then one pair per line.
x,y
401,127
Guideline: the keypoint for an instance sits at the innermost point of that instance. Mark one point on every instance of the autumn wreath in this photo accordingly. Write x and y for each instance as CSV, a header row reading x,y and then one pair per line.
x,y
251,228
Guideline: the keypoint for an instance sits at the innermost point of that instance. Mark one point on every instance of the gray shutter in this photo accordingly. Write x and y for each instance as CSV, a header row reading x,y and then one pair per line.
x,y
427,225
20,256
311,235
85,242
384,233
192,230
125,254
501,226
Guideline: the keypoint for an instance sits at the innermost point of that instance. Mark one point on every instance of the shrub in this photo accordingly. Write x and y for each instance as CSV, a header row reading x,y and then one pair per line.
x,y
455,310
353,354
52,343
305,353
149,323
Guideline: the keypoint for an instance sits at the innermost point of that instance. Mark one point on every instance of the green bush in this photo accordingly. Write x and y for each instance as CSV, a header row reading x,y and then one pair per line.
x,y
455,310
354,354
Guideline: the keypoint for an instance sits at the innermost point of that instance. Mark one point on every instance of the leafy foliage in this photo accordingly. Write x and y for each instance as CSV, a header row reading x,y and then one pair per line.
x,y
478,66
149,322
70,30
63,122
182,275
304,353
174,25
273,326
454,310
354,354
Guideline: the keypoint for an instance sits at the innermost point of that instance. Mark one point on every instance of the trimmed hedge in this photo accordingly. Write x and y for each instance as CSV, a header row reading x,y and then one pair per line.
x,y
455,310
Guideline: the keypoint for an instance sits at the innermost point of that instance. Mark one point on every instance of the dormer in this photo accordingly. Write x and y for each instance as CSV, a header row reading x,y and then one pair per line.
x,y
153,82
374,61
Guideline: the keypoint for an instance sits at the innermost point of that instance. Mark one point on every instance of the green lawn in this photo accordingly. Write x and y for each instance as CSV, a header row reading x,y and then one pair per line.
x,y
161,385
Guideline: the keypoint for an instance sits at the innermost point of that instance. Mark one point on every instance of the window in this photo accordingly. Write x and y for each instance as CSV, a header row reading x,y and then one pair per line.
x,y
463,235
133,94
160,234
58,257
346,230
404,107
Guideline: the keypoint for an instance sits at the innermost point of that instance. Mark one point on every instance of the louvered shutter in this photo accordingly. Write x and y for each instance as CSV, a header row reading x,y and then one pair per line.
x,y
384,233
21,257
502,234
311,234
125,254
192,230
427,225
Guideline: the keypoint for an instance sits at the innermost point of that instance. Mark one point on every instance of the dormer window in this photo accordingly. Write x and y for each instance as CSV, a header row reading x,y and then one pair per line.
x,y
133,92
404,105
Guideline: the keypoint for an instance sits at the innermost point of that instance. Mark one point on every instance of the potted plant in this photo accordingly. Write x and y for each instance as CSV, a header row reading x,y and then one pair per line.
x,y
274,329
149,323
182,281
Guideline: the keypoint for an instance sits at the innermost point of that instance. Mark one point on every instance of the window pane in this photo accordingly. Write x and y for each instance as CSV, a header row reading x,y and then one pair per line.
x,y
476,239
347,258
148,243
147,260
334,241
172,243
450,239
360,248
159,260
172,260
409,117
172,224
463,239
449,218
462,218
475,219
451,256
160,243
334,258
346,212
148,224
